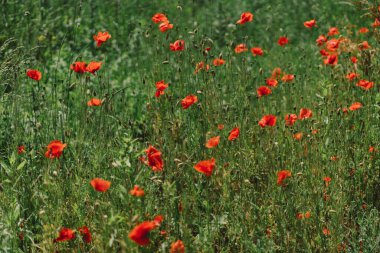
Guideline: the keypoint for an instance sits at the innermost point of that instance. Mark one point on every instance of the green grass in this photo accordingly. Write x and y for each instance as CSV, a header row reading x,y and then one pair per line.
x,y
234,208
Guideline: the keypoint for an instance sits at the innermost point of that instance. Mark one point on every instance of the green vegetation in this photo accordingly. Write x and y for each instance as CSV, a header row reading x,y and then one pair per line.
x,y
241,207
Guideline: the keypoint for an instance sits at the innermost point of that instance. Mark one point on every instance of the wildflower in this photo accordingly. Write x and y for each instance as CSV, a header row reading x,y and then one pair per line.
x,y
78,67
287,78
363,30
364,45
332,59
241,48
188,101
178,45
206,167
244,18
282,41
307,215
65,234
327,180
351,76
263,91
165,26
290,119
332,45
86,235
154,159
365,84
257,51
93,66
354,60
276,73
20,149
137,191
94,102
101,37
34,74
140,233
234,134
326,231
100,185
355,106
201,66
321,40
220,126
309,24
333,31
218,62
159,18
305,113
271,82
376,23
160,87
298,136
177,247
55,149
282,175
213,142
268,120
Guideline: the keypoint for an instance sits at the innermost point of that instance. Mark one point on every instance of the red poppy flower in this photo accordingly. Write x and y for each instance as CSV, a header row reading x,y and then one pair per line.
x,y
34,74
20,149
55,149
321,40
282,175
327,180
188,101
307,215
354,60
355,106
100,185
305,113
364,84
220,126
332,59
276,73
351,76
364,45
160,87
218,62
298,136
101,37
309,24
137,191
287,78
177,247
213,142
86,235
323,52
165,26
333,31
290,119
244,18
282,41
201,66
206,167
257,51
65,234
93,66
154,159
363,30
78,67
140,233
178,45
234,134
94,102
332,45
371,149
376,23
268,120
263,91
241,48
299,216
271,82
326,231
159,18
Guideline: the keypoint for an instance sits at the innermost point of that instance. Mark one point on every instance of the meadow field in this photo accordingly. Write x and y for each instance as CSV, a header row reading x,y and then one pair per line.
x,y
189,126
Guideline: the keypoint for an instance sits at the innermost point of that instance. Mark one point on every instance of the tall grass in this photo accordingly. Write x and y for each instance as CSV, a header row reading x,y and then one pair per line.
x,y
240,208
